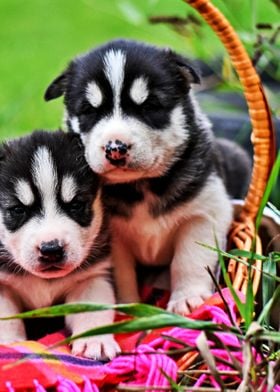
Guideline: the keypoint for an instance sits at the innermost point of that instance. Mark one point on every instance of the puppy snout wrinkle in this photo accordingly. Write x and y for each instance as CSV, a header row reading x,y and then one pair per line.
x,y
51,252
116,152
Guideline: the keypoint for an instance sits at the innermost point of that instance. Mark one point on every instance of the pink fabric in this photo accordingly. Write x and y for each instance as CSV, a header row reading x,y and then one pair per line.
x,y
145,365
148,366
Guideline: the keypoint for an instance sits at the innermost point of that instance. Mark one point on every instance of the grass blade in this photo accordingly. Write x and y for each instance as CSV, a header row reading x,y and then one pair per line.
x,y
239,260
250,303
272,336
147,317
207,355
240,305
247,254
274,209
138,310
268,284
148,323
265,313
271,181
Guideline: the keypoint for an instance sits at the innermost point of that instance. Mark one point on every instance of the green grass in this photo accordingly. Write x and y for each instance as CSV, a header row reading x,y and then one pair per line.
x,y
39,37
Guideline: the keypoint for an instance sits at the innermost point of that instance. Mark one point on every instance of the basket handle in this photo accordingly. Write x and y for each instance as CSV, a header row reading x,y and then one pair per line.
x,y
263,134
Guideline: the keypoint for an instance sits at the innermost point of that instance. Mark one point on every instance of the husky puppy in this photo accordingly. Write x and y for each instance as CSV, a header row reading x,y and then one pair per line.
x,y
144,133
54,240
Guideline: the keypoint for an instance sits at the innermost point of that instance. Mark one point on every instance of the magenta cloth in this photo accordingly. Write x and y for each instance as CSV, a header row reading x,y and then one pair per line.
x,y
144,365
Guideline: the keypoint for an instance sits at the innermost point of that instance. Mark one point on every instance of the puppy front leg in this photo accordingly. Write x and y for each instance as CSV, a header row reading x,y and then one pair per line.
x,y
11,330
190,282
93,290
124,273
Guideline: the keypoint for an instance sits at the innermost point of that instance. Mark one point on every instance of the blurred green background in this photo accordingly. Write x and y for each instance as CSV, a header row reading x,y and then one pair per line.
x,y
39,37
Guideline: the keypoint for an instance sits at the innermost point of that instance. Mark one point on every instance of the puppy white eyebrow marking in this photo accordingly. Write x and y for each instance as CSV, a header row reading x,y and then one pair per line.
x,y
94,94
45,178
139,90
24,192
68,188
114,61
75,124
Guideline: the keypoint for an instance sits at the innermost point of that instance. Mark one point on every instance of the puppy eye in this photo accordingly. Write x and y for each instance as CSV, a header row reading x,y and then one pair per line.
x,y
77,206
152,104
86,108
17,211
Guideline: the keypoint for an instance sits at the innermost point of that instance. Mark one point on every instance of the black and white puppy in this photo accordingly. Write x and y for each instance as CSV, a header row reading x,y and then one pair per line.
x,y
54,242
145,134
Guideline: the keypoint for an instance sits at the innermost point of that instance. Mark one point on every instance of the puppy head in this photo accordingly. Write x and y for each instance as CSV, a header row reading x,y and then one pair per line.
x,y
50,211
130,104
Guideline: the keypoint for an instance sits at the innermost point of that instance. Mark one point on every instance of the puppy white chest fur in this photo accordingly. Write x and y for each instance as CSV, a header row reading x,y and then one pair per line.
x,y
149,239
172,238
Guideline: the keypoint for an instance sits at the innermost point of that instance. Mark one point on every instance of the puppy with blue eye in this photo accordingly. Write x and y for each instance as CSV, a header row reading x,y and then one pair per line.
x,y
164,172
54,241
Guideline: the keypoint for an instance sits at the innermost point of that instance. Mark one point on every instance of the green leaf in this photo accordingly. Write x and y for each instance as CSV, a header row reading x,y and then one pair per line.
x,y
268,284
138,310
207,355
274,209
240,305
271,181
273,336
148,317
265,313
148,323
240,260
250,303
247,254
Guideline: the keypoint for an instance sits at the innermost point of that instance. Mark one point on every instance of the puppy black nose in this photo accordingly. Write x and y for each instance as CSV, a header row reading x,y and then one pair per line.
x,y
116,152
51,252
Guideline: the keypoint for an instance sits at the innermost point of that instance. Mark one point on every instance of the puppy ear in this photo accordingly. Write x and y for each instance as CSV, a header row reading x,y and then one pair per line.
x,y
185,67
56,88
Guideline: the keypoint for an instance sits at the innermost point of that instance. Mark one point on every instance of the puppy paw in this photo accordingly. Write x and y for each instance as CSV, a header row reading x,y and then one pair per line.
x,y
184,304
97,347
12,332
8,338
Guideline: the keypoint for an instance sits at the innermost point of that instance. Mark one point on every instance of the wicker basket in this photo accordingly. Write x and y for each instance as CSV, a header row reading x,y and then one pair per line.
x,y
263,139
243,232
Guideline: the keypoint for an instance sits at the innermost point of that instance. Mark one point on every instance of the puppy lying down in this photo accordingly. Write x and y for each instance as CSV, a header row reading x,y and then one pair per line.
x,y
54,240
164,173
